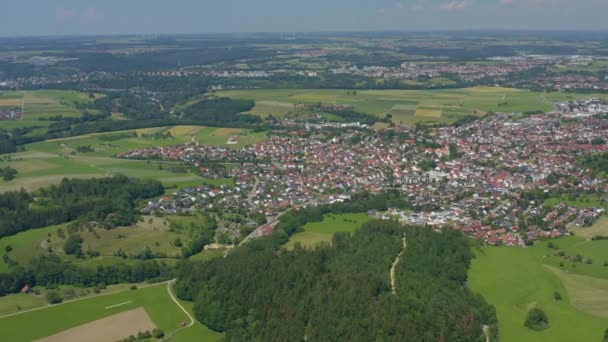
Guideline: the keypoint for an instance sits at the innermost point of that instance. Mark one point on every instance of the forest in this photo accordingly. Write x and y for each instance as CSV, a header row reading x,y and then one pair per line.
x,y
342,291
51,271
109,202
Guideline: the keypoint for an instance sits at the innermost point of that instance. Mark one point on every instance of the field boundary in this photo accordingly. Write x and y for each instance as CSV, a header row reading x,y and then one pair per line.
x,y
79,299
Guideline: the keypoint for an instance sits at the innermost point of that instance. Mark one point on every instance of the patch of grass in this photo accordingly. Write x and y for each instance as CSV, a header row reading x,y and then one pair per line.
x,y
316,232
514,280
598,228
51,320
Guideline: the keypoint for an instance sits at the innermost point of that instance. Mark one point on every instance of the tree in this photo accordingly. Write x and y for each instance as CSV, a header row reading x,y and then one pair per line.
x,y
53,297
605,336
9,173
73,245
158,333
537,319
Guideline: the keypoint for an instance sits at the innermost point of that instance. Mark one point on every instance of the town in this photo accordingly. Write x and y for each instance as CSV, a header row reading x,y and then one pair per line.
x,y
504,179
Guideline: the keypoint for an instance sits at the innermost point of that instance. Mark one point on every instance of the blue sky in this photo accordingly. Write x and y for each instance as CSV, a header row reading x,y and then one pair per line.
x,y
52,17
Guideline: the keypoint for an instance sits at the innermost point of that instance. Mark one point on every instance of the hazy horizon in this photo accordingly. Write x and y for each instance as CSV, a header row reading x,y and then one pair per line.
x,y
112,17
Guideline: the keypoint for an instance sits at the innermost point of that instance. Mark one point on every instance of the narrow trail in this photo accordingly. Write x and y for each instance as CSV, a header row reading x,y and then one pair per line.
x,y
486,332
394,266
179,304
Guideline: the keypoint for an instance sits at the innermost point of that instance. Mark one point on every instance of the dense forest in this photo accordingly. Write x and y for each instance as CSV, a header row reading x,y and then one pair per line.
x,y
108,201
342,291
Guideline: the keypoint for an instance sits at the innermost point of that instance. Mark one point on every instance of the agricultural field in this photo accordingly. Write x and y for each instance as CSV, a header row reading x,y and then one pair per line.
x,y
40,105
516,279
154,299
317,232
48,162
407,107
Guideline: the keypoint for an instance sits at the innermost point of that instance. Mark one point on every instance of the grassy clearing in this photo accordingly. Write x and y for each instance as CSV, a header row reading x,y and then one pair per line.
x,y
53,319
515,280
316,232
434,104
594,251
587,294
599,228
152,232
198,332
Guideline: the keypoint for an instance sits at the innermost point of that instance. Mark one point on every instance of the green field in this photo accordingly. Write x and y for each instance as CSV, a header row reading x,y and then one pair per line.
x,y
406,106
50,161
154,299
595,252
316,232
517,279
153,233
54,319
43,104
598,228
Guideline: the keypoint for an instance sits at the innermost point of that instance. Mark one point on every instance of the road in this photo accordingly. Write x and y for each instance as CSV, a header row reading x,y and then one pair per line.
x,y
394,267
253,191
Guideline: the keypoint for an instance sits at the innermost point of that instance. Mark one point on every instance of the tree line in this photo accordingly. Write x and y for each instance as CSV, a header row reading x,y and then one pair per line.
x,y
51,271
109,202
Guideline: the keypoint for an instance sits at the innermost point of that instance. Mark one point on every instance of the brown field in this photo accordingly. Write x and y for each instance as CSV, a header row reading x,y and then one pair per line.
x,y
111,328
10,102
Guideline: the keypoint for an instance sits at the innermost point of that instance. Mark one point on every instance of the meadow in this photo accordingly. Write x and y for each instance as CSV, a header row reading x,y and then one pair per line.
x,y
407,107
151,232
48,162
600,227
53,319
317,232
516,279
40,105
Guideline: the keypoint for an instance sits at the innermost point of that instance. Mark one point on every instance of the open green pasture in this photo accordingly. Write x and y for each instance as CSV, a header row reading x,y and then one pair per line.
x,y
406,106
48,162
40,105
53,319
316,232
155,233
515,279
599,228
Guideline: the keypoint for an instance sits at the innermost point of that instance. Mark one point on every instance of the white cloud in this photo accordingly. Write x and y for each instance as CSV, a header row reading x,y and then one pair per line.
x,y
399,5
456,5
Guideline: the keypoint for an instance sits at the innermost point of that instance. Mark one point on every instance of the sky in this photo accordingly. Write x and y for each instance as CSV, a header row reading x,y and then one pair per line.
x,y
73,17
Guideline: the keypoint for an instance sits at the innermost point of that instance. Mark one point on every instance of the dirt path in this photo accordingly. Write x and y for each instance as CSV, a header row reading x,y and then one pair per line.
x,y
169,284
394,266
486,332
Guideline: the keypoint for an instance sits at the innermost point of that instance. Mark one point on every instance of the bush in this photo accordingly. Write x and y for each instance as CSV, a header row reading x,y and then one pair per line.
x,y
133,287
53,297
158,333
537,320
557,296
